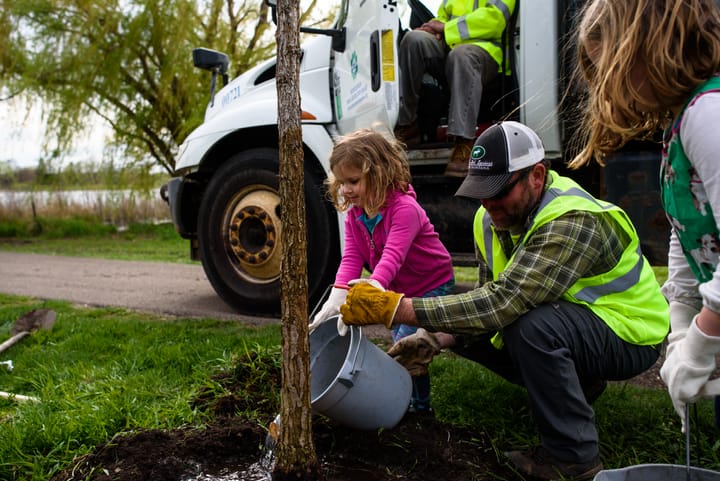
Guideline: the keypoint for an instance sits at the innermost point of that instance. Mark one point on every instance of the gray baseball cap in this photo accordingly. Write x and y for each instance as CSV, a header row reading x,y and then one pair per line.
x,y
502,149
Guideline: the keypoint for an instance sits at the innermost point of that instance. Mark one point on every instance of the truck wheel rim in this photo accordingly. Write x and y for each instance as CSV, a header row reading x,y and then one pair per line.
x,y
253,234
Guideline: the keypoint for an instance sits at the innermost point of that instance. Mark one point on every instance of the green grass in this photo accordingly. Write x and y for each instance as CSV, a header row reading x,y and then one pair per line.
x,y
85,238
99,372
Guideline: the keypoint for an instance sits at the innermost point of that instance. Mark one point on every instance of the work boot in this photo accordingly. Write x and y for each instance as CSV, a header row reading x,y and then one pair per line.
x,y
540,464
408,134
459,158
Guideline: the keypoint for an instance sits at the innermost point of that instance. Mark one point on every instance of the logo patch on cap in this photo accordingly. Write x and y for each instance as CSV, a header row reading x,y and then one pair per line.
x,y
478,152
477,164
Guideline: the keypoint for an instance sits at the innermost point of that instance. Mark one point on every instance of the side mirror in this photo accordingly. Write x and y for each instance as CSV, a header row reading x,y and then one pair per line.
x,y
214,61
211,60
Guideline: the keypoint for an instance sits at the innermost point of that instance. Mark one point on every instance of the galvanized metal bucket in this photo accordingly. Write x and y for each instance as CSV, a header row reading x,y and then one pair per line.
x,y
658,472
355,382
663,472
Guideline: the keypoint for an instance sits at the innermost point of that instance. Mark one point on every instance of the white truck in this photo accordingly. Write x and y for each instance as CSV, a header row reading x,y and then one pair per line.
x,y
224,196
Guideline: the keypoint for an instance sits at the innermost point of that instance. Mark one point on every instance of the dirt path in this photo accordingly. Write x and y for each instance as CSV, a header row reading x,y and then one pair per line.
x,y
180,290
163,288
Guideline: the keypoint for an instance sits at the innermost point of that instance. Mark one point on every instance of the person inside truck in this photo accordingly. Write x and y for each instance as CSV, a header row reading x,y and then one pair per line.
x,y
654,66
387,231
564,302
462,46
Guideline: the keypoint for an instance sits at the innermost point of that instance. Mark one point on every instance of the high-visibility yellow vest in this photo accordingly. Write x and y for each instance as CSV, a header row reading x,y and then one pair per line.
x,y
627,297
478,22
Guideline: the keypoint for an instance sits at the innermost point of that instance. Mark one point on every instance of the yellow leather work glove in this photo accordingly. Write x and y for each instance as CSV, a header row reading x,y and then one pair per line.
x,y
416,351
366,304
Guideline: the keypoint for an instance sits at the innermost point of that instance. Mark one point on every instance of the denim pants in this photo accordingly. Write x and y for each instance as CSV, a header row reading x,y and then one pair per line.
x,y
553,351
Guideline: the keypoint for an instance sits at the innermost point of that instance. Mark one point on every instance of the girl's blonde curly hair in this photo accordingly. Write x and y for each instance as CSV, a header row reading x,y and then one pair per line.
x,y
679,42
382,161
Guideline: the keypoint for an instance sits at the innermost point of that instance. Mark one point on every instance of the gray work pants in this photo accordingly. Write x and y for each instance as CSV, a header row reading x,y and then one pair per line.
x,y
467,69
553,351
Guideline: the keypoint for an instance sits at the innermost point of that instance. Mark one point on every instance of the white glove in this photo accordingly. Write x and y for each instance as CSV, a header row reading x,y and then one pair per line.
x,y
681,316
331,308
688,366
372,282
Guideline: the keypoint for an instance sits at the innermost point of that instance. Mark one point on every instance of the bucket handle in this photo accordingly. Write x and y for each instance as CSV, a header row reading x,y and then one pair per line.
x,y
320,302
347,380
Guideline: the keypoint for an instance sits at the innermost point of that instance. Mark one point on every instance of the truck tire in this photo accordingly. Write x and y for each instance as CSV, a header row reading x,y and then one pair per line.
x,y
240,234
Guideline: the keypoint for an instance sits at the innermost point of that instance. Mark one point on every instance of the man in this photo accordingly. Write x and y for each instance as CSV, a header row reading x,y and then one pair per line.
x,y
463,44
564,302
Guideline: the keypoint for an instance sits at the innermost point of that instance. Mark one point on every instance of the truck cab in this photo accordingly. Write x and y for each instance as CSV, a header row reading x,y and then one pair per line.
x,y
224,194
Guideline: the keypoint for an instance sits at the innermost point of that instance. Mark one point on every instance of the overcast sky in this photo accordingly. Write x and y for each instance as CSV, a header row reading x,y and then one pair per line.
x,y
22,135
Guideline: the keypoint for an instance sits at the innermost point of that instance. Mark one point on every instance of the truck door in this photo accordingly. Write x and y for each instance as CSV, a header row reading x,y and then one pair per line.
x,y
365,74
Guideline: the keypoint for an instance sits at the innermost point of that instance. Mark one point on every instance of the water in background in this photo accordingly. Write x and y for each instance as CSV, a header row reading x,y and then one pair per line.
x,y
118,207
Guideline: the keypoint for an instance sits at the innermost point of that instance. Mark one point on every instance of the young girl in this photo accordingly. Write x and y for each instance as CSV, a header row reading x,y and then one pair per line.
x,y
651,65
386,230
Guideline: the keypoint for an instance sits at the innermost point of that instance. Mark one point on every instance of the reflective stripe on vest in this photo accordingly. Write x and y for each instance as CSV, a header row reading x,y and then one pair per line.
x,y
465,34
627,298
591,294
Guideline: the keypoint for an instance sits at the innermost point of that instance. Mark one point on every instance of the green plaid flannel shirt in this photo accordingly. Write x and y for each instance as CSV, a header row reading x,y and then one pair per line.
x,y
576,244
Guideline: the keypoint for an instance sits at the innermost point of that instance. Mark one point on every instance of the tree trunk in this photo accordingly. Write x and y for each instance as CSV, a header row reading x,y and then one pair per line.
x,y
296,458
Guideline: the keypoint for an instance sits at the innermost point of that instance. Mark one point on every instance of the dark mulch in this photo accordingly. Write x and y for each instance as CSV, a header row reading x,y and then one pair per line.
x,y
419,448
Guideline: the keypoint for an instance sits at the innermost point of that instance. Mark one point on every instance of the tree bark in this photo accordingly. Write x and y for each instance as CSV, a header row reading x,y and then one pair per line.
x,y
296,457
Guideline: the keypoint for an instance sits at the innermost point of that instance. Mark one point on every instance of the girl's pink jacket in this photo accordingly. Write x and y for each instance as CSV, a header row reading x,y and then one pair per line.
x,y
404,254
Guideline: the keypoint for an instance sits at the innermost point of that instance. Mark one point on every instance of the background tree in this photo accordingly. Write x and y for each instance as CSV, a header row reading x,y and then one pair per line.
x,y
296,458
128,62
